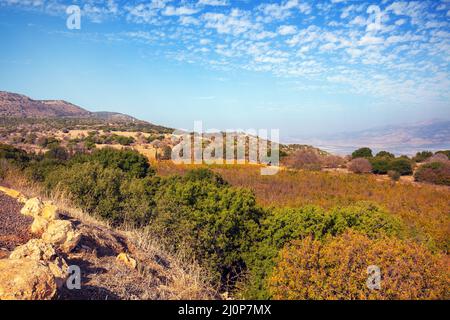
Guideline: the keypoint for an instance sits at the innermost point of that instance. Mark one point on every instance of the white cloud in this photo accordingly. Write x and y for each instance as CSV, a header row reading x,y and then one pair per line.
x,y
237,22
287,30
180,11
370,40
213,2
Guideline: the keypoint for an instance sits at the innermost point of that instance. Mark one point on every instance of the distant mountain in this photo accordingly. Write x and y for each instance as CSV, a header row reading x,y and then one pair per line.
x,y
17,105
401,139
113,116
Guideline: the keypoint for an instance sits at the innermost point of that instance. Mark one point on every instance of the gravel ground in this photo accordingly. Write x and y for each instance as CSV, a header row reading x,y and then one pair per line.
x,y
14,227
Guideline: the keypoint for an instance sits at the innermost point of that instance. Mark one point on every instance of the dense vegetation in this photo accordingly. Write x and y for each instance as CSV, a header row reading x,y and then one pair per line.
x,y
238,238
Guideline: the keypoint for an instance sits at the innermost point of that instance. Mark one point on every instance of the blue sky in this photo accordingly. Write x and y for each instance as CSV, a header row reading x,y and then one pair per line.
x,y
305,67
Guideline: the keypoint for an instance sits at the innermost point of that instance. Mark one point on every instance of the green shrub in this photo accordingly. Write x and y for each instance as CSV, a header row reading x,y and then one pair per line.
x,y
380,165
422,156
128,161
402,166
385,154
39,170
107,192
434,172
17,156
210,222
362,153
57,153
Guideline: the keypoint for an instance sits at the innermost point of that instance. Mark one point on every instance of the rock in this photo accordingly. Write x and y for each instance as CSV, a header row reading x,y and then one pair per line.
x,y
62,234
32,207
26,279
49,211
35,249
39,225
38,250
127,260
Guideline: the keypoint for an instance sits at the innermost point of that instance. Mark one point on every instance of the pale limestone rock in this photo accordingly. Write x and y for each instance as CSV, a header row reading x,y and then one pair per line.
x,y
62,234
127,260
49,211
38,250
35,249
26,279
32,207
39,225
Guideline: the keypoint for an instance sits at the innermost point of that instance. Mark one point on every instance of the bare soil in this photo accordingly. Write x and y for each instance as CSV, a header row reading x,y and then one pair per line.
x,y
14,227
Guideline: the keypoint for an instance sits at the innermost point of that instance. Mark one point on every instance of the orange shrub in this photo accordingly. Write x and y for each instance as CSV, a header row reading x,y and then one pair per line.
x,y
337,269
360,165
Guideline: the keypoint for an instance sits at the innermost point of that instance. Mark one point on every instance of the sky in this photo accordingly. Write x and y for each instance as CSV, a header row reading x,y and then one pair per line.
x,y
308,68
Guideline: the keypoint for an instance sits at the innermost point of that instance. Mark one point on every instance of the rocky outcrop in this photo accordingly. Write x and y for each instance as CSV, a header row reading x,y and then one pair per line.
x,y
37,269
26,279
62,234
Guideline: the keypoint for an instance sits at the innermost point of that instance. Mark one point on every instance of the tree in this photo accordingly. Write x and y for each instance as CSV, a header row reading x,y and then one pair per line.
x,y
385,154
360,165
362,153
337,269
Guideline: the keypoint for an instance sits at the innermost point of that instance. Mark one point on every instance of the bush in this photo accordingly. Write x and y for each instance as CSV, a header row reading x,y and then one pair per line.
x,y
422,156
57,153
212,223
128,161
360,165
337,269
304,159
283,225
446,152
435,172
362,153
385,154
107,192
394,175
14,155
402,166
380,165
438,157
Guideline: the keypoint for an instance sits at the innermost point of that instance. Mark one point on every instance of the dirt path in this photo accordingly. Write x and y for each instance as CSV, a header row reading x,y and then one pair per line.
x,y
14,227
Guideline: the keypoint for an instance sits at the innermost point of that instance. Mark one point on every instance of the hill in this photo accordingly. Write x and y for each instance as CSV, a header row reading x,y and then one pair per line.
x,y
17,105
17,110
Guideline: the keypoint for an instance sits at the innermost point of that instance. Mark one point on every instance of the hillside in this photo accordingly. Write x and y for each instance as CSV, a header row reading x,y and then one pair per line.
x,y
114,264
17,105
17,110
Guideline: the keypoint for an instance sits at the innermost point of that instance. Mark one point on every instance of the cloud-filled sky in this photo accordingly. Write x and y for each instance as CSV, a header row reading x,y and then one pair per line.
x,y
305,67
